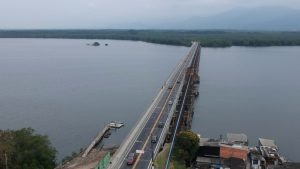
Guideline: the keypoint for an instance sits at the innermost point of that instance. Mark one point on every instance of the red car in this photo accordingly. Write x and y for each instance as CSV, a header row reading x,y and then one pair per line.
x,y
131,158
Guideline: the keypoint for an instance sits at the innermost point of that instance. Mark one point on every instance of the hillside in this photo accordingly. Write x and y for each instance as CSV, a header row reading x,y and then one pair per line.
x,y
251,19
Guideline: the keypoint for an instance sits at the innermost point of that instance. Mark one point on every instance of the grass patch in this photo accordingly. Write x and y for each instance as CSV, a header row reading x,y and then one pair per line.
x,y
161,159
177,165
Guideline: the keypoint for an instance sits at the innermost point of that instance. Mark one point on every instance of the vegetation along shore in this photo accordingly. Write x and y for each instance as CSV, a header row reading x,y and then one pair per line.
x,y
209,38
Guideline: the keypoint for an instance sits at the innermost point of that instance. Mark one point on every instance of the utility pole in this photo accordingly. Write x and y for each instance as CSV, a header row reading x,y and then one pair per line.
x,y
152,153
5,160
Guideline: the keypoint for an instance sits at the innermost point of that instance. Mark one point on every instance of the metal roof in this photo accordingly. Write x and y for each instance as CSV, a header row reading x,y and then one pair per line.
x,y
267,142
209,142
240,138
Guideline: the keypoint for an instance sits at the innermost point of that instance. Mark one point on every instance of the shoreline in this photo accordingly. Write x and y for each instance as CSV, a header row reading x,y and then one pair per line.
x,y
214,39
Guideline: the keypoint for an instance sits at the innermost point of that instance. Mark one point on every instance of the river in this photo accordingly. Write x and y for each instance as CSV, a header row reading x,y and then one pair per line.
x,y
69,90
250,90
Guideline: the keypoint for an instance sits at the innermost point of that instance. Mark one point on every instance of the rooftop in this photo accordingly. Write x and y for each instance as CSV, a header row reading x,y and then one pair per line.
x,y
267,143
209,142
237,138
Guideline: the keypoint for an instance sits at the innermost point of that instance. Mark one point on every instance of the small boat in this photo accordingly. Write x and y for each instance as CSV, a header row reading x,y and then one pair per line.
x,y
107,134
115,124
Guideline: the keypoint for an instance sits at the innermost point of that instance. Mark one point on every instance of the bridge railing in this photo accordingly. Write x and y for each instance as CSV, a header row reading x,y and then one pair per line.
x,y
196,54
171,112
139,125
165,130
127,144
168,121
134,133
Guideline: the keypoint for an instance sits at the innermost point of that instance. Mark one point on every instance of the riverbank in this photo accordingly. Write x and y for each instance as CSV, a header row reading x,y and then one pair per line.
x,y
208,38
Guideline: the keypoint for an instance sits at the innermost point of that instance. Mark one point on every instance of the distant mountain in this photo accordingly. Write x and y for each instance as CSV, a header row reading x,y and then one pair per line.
x,y
275,18
264,18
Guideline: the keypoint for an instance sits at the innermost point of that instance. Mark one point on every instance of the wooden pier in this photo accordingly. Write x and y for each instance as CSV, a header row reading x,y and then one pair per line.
x,y
98,138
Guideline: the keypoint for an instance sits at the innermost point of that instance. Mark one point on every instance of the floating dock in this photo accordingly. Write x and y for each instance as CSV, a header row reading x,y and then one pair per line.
x,y
115,124
96,140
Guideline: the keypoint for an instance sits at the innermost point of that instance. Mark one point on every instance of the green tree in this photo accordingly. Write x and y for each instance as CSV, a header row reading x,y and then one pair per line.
x,y
5,147
26,150
186,146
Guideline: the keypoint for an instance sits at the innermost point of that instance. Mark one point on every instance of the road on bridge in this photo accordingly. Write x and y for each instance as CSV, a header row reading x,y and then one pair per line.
x,y
158,113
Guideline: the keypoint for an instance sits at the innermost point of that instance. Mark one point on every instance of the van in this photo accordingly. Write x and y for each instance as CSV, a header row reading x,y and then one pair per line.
x,y
153,139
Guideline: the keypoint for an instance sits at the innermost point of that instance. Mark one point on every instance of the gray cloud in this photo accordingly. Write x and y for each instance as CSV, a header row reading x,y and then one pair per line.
x,y
103,13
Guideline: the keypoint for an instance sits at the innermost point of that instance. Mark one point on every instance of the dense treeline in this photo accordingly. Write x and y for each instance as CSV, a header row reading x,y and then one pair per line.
x,y
22,149
172,37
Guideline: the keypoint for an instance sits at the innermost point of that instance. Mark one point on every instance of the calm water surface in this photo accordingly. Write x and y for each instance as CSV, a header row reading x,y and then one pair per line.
x,y
69,91
251,90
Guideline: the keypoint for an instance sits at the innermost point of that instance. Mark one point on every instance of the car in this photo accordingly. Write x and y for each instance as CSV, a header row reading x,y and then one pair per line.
x,y
170,102
153,139
131,158
161,125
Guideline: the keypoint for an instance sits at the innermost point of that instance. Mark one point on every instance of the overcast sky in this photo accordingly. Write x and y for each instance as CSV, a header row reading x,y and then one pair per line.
x,y
20,14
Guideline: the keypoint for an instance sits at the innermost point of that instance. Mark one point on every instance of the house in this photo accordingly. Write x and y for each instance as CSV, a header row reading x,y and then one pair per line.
x,y
239,139
208,154
269,151
234,151
257,161
216,153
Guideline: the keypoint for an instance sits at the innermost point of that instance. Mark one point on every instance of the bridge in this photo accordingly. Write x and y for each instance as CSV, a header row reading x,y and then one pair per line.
x,y
169,113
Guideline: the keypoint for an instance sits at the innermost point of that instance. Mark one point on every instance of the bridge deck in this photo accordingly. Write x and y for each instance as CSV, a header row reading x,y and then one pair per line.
x,y
160,111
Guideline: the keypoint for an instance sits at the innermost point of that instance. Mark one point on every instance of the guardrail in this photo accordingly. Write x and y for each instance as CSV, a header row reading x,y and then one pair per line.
x,y
179,117
172,110
138,127
134,133
167,124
